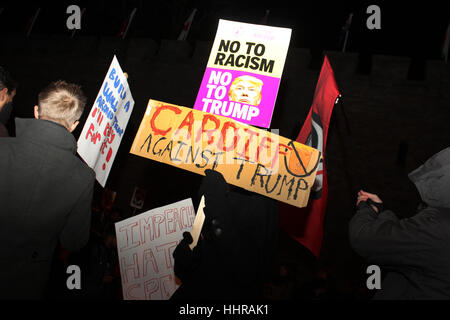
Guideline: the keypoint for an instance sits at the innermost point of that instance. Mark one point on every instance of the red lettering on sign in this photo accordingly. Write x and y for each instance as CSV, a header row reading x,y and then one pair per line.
x,y
224,132
94,135
262,144
209,132
247,143
159,131
187,122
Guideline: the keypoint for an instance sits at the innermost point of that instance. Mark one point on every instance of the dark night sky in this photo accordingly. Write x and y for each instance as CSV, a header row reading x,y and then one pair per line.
x,y
409,29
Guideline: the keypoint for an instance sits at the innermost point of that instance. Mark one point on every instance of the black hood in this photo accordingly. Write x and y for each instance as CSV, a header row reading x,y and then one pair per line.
x,y
432,180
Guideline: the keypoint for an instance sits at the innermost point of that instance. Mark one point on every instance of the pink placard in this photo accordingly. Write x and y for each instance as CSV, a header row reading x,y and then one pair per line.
x,y
243,96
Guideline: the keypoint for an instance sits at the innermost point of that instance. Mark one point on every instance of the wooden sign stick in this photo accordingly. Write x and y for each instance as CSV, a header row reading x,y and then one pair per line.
x,y
198,223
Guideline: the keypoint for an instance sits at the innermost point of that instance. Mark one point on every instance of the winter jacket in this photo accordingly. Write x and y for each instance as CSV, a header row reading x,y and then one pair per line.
x,y
236,248
45,198
413,253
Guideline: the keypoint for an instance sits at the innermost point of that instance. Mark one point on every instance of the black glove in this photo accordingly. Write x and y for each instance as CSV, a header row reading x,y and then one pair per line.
x,y
183,257
217,211
368,203
378,205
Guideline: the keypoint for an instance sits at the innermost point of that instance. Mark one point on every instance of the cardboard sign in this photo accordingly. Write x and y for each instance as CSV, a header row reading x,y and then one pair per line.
x,y
198,223
243,74
248,157
104,128
145,245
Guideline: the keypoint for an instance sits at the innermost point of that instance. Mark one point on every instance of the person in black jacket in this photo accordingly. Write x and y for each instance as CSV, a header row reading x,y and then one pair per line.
x,y
414,252
7,93
45,192
237,245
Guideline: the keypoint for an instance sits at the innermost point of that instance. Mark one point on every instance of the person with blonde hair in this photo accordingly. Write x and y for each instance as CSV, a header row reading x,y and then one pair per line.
x,y
246,89
45,192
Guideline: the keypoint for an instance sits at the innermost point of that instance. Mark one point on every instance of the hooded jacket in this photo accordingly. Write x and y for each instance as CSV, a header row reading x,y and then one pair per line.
x,y
233,256
45,198
414,253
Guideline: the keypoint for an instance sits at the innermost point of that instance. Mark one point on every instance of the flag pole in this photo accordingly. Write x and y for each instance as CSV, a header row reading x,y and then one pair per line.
x,y
129,23
445,46
353,152
265,18
345,41
347,31
33,21
187,26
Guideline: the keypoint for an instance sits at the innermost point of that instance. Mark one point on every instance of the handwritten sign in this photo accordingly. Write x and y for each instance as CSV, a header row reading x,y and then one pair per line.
x,y
243,74
248,157
145,245
105,126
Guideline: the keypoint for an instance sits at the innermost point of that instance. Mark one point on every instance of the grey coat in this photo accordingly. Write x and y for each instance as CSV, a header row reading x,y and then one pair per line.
x,y
413,253
45,197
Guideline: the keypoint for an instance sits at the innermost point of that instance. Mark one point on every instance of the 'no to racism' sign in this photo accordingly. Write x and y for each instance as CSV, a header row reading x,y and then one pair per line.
x,y
243,74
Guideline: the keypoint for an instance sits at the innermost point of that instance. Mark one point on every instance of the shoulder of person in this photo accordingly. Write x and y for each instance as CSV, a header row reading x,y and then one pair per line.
x,y
432,218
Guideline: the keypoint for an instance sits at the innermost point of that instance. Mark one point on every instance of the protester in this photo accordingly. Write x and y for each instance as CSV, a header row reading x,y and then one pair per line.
x,y
236,248
45,192
7,92
102,274
414,252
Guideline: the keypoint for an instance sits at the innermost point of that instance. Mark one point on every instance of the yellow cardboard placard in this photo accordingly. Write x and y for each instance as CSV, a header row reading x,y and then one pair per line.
x,y
248,157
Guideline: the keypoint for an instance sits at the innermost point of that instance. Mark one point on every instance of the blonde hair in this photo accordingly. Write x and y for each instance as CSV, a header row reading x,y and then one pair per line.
x,y
61,102
255,81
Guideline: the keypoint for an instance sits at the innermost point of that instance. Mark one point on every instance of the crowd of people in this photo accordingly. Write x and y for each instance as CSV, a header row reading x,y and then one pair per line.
x,y
48,221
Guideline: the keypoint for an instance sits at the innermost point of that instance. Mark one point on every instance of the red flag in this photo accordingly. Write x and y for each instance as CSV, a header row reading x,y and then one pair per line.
x,y
305,225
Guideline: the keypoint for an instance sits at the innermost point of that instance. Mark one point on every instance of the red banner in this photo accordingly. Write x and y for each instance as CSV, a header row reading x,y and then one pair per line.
x,y
305,225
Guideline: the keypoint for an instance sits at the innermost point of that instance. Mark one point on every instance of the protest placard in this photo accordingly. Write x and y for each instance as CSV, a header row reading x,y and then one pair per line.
x,y
104,128
252,158
243,73
198,223
145,244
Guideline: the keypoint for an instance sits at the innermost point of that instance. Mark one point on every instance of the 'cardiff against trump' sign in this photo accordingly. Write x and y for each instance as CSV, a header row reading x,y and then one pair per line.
x,y
248,157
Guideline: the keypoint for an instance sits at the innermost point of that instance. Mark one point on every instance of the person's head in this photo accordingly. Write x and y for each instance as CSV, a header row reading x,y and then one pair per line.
x,y
61,102
7,87
246,89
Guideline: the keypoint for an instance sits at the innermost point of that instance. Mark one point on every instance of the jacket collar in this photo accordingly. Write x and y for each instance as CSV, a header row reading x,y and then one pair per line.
x,y
46,132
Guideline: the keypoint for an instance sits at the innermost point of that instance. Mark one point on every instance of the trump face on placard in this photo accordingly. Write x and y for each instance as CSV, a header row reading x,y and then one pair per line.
x,y
246,89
